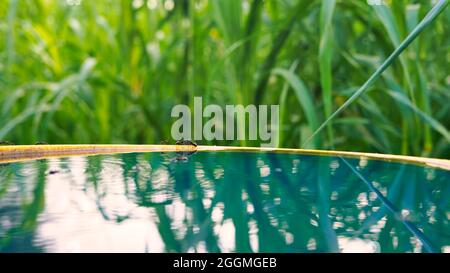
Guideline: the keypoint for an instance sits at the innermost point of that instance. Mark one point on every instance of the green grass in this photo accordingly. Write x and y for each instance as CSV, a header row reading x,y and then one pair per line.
x,y
110,72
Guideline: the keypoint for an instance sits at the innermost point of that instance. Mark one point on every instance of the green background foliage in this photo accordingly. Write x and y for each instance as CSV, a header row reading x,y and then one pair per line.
x,y
110,71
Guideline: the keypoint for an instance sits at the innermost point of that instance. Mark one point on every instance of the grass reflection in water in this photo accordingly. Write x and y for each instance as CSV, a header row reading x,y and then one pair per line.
x,y
222,202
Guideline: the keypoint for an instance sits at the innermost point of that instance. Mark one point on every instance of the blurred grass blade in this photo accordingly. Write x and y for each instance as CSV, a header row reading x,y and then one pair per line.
x,y
297,12
12,10
387,18
432,14
395,28
5,129
228,15
325,55
303,95
283,97
425,117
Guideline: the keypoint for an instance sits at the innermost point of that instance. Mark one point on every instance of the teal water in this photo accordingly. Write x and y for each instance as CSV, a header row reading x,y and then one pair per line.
x,y
222,202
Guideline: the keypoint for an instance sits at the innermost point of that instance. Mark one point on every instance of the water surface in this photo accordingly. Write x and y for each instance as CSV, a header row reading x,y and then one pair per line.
x,y
222,202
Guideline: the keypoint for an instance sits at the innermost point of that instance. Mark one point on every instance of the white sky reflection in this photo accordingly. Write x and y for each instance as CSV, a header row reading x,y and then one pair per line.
x,y
72,222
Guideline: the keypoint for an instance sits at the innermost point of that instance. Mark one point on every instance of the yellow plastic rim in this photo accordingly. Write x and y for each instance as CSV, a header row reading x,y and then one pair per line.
x,y
17,153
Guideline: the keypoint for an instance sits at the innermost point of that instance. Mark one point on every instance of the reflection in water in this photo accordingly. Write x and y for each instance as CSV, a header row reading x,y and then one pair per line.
x,y
222,202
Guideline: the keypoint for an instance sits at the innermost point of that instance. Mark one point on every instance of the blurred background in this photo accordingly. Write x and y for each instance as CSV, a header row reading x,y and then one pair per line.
x,y
79,71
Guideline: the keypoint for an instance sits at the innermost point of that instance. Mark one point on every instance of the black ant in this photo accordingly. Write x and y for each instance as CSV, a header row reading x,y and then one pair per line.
x,y
186,142
183,155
